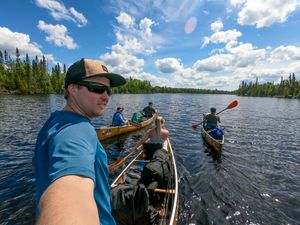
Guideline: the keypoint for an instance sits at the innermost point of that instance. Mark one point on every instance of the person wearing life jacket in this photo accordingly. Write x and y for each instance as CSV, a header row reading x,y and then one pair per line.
x,y
211,120
118,117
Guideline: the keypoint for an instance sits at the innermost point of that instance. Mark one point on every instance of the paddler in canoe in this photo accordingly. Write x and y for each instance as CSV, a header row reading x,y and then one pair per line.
x,y
211,120
118,118
149,111
211,133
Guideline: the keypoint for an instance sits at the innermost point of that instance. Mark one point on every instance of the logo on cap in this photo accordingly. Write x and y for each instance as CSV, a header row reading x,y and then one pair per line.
x,y
104,68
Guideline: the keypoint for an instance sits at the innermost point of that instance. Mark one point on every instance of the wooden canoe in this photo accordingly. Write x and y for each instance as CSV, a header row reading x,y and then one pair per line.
x,y
216,144
170,200
109,132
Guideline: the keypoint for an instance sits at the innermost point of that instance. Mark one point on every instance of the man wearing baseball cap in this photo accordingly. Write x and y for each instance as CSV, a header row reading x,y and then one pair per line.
x,y
72,185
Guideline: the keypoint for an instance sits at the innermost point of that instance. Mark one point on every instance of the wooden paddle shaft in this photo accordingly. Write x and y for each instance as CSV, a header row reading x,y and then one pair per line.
x,y
168,191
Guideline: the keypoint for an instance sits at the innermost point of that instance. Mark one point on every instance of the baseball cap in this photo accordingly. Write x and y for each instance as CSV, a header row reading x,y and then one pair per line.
x,y
86,68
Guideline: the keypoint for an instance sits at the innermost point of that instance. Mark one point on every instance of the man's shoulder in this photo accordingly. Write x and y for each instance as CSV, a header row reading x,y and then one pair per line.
x,y
77,131
119,115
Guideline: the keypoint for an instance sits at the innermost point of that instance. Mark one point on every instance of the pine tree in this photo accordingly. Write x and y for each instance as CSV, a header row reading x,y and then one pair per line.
x,y
17,55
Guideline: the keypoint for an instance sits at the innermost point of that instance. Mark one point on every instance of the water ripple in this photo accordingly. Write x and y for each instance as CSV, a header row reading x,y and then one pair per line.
x,y
255,181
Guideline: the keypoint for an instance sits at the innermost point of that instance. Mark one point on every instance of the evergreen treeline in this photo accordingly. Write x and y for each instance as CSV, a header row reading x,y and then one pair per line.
x,y
289,88
135,86
29,77
32,77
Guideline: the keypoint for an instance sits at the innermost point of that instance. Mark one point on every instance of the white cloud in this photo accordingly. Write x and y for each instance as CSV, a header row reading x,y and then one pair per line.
x,y
10,40
126,20
136,38
79,17
245,54
216,26
214,63
132,39
122,62
129,43
285,53
264,13
154,80
145,26
222,37
225,67
168,65
266,72
59,12
57,34
237,3
205,12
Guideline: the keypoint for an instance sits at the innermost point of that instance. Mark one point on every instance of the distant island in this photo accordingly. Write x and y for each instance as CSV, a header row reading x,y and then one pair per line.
x,y
32,77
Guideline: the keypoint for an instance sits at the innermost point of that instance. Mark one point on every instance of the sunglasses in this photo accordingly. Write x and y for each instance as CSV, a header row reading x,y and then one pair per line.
x,y
95,87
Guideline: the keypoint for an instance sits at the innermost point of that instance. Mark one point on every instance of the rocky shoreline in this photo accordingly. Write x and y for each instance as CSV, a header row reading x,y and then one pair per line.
x,y
8,92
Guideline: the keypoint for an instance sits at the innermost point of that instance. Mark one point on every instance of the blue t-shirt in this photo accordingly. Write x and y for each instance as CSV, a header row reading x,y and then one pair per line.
x,y
118,119
68,145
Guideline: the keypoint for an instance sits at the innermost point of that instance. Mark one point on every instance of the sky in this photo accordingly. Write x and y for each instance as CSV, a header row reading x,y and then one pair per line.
x,y
209,44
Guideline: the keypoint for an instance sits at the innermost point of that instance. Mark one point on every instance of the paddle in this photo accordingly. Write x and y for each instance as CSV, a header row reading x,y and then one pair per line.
x,y
230,106
114,166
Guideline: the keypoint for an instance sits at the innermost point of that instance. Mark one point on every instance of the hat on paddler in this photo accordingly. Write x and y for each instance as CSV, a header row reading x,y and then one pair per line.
x,y
86,68
213,110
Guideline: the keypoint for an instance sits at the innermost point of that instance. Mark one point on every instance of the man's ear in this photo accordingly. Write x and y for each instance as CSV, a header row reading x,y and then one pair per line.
x,y
72,89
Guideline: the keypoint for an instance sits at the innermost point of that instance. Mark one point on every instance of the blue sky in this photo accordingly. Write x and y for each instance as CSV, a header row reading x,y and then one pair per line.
x,y
180,43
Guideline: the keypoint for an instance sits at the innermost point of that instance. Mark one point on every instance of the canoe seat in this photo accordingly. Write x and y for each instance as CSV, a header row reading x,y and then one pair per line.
x,y
144,161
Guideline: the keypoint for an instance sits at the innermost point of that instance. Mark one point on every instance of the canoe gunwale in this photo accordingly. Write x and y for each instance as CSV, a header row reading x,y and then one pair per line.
x,y
105,133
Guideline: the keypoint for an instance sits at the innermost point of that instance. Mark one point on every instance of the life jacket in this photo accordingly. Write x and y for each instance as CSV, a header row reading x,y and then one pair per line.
x,y
116,122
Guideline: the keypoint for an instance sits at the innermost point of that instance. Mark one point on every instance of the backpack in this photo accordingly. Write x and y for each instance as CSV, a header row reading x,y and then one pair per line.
x,y
157,173
137,117
130,205
217,133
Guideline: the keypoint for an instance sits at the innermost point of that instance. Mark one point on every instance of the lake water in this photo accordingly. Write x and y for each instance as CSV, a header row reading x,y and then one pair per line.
x,y
255,181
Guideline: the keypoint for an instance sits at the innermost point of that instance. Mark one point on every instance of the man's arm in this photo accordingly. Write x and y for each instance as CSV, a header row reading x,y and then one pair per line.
x,y
124,120
69,200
